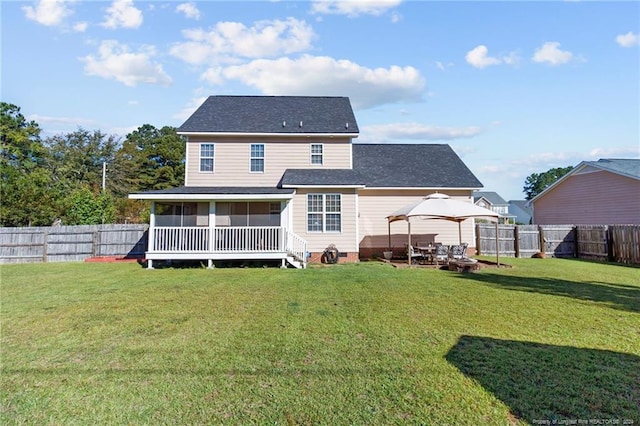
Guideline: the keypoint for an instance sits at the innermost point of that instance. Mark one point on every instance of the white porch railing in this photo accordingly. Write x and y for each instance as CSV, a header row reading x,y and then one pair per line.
x,y
252,239
227,240
180,240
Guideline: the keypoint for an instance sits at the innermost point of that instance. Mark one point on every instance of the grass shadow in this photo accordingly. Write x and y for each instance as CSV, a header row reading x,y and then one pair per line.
x,y
542,383
617,296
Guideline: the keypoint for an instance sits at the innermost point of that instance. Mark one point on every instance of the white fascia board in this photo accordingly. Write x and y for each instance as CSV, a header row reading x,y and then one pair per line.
x,y
419,188
323,186
194,197
309,135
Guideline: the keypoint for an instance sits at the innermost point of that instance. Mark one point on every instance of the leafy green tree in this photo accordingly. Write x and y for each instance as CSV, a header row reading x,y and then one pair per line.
x,y
26,196
76,158
535,183
150,158
87,207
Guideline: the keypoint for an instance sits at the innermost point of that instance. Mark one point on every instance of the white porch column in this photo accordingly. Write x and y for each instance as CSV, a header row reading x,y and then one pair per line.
x,y
152,225
212,230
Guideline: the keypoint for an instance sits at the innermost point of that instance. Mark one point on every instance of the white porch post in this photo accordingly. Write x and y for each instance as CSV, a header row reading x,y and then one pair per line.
x,y
152,225
212,231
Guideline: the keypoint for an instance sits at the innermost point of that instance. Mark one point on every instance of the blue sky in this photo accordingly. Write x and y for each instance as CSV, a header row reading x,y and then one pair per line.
x,y
514,87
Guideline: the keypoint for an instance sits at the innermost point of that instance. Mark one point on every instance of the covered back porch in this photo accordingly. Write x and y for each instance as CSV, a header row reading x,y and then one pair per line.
x,y
222,225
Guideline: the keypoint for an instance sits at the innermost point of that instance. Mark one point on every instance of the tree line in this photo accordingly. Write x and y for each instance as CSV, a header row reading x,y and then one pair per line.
x,y
59,178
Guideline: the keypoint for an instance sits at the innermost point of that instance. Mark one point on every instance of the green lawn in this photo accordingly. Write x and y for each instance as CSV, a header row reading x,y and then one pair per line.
x,y
547,339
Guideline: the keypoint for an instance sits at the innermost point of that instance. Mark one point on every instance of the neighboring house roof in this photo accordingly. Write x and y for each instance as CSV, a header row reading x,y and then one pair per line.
x,y
521,210
492,197
273,114
629,167
321,177
193,192
411,166
522,205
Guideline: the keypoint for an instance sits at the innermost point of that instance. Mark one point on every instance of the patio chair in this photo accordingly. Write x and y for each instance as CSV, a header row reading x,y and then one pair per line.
x,y
441,254
415,255
458,251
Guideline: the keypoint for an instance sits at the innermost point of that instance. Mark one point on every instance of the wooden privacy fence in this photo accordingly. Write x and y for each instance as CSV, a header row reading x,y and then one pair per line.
x,y
71,243
617,243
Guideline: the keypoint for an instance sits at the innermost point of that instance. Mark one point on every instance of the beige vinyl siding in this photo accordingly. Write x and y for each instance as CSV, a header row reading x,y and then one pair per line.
x,y
232,159
591,198
376,205
345,241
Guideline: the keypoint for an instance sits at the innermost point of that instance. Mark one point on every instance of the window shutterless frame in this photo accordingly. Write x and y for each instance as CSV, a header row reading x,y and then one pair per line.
x,y
207,158
324,213
256,162
317,154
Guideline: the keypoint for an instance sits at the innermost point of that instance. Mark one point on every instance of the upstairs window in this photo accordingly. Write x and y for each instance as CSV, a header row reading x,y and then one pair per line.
x,y
257,158
324,213
206,157
316,153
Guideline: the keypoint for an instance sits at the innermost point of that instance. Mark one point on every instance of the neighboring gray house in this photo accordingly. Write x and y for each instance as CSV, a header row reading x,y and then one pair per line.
x,y
494,202
603,192
279,177
521,211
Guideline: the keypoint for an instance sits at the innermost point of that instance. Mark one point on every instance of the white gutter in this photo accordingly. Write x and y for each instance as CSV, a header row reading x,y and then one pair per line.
x,y
324,135
219,197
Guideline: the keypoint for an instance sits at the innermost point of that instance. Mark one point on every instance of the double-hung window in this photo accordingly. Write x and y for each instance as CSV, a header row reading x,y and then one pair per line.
x,y
257,158
207,157
324,213
317,153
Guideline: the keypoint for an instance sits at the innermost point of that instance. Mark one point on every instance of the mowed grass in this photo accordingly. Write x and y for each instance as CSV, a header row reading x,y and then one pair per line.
x,y
546,339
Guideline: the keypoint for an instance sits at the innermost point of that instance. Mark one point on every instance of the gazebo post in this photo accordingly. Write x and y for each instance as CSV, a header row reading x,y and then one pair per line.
x,y
497,245
409,243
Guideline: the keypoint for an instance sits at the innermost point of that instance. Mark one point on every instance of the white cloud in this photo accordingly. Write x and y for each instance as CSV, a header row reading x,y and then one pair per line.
x,y
189,108
115,61
418,131
321,75
353,8
229,40
628,40
80,27
122,14
478,57
620,152
550,53
190,10
48,12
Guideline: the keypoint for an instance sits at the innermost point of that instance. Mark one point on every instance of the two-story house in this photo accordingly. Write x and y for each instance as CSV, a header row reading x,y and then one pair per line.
x,y
494,202
279,177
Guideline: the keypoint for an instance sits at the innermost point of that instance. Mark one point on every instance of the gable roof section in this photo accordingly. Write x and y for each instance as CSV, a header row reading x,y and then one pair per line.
x,y
273,114
492,197
628,167
294,178
412,166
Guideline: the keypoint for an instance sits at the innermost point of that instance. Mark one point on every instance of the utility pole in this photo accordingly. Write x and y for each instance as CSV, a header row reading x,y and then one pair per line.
x,y
104,175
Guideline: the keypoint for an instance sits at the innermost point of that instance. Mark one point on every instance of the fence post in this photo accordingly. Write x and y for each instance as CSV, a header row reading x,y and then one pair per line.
x,y
543,246
45,245
95,238
516,242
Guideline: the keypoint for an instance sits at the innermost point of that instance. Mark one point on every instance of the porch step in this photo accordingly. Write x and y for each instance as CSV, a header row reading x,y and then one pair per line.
x,y
295,263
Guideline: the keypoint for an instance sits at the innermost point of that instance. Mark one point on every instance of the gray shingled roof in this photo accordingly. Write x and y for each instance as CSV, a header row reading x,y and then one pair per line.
x,y
625,166
219,190
319,177
272,114
412,165
493,197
